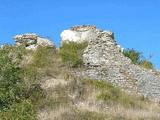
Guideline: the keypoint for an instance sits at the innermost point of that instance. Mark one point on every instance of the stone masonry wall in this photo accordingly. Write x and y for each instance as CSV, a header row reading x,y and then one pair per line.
x,y
104,61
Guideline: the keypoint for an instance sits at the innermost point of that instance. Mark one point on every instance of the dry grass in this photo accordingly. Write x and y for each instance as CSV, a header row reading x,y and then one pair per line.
x,y
151,113
77,100
71,98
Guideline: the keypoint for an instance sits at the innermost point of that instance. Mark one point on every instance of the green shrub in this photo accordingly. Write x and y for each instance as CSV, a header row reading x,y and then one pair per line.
x,y
10,76
14,53
18,95
146,64
71,53
19,111
137,58
134,55
35,94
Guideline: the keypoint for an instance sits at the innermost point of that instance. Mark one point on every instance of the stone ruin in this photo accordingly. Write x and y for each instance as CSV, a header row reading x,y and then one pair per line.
x,y
32,41
80,34
83,28
104,60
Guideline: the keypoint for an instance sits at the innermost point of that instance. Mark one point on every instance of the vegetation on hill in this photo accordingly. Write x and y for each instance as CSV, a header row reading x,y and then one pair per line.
x,y
137,58
71,53
14,97
39,85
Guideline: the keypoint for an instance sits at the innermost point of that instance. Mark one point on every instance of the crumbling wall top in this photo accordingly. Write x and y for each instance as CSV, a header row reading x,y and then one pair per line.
x,y
83,28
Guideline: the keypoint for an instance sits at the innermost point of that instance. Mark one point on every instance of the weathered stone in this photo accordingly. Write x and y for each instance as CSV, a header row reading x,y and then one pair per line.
x,y
104,60
78,34
83,28
32,41
26,39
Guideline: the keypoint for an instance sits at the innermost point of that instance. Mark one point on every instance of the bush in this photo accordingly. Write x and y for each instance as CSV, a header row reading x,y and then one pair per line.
x,y
71,53
17,95
137,58
10,76
134,55
19,111
35,94
146,64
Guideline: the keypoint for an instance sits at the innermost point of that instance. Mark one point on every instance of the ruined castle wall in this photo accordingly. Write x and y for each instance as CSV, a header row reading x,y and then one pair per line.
x,y
105,61
31,41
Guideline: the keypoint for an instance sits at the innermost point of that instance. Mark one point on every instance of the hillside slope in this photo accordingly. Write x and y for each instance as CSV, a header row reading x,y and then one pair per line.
x,y
87,78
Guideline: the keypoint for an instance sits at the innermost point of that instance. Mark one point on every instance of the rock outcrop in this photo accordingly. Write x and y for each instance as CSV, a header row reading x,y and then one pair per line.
x,y
32,41
105,61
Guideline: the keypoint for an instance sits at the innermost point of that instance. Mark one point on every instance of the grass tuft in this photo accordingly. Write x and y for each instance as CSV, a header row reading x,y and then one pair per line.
x,y
71,53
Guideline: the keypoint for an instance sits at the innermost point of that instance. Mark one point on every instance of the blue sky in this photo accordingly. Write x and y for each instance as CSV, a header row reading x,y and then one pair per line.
x,y
136,23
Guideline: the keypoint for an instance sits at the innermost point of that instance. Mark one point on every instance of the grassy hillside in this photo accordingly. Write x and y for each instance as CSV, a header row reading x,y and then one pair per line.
x,y
39,85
